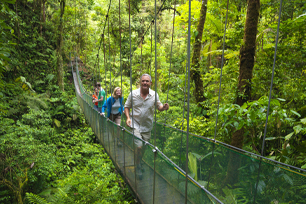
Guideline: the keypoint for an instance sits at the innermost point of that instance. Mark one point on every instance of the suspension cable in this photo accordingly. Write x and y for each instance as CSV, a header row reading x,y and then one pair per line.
x,y
141,56
75,50
120,55
131,90
102,35
85,39
151,48
188,98
155,62
271,86
222,62
270,95
170,57
109,59
183,114
105,61
160,8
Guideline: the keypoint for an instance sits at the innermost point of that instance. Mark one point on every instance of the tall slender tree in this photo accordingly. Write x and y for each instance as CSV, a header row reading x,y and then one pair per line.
x,y
60,69
195,65
247,55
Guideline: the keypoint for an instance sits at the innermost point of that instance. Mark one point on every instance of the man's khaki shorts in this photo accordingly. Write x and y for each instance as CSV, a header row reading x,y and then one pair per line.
x,y
146,136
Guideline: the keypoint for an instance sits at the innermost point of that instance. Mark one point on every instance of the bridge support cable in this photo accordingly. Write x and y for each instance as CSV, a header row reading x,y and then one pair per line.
x,y
155,86
109,60
188,100
162,148
104,65
222,63
270,95
219,94
271,85
183,120
141,57
170,56
110,76
120,52
265,163
131,90
102,38
151,49
106,132
275,169
150,25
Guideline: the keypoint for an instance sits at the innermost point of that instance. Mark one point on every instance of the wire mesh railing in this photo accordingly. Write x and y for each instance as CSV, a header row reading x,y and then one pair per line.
x,y
211,165
118,143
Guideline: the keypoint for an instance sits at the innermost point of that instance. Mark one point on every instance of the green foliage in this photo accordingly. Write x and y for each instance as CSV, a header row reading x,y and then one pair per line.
x,y
32,198
5,38
47,125
192,165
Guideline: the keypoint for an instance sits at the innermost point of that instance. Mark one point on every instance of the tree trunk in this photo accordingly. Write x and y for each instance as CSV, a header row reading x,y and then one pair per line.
x,y
41,16
60,71
209,56
44,11
247,54
195,66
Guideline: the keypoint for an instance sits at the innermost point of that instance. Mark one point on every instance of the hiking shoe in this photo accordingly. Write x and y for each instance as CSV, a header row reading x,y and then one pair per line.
x,y
119,144
139,172
142,167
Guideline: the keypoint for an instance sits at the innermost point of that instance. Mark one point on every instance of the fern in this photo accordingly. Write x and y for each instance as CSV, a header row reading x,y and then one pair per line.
x,y
36,102
32,198
192,164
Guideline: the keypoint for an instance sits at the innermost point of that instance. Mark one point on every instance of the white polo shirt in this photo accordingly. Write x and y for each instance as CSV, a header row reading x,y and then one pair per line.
x,y
143,110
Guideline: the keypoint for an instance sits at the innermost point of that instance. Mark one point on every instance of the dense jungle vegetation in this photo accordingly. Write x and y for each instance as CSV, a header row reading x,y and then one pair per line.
x,y
46,147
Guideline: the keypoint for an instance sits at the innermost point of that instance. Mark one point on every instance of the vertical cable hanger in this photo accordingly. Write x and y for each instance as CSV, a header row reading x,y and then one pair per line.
x,y
109,69
188,99
75,51
222,63
104,64
102,38
219,96
120,47
109,59
121,85
155,60
151,49
169,71
131,89
85,38
98,71
141,56
185,84
171,50
270,95
170,57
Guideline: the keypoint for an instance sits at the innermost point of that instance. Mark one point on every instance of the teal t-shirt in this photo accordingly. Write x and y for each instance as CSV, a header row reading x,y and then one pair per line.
x,y
101,94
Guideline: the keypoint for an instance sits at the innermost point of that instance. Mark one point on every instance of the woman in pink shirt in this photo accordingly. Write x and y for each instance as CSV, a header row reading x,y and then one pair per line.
x,y
95,99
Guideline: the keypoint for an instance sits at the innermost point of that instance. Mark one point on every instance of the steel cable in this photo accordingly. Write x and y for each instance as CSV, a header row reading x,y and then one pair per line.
x,y
188,98
270,95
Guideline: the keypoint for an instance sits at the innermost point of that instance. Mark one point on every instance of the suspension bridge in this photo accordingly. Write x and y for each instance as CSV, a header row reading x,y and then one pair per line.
x,y
168,180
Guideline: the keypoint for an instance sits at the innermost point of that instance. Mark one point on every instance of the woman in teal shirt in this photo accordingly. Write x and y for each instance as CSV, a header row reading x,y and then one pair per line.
x,y
114,106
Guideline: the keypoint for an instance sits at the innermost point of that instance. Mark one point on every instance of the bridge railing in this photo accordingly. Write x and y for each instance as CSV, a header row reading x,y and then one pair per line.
x,y
229,173
168,184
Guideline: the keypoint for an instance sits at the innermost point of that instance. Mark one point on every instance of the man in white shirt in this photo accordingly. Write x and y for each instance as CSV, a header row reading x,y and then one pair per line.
x,y
143,112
